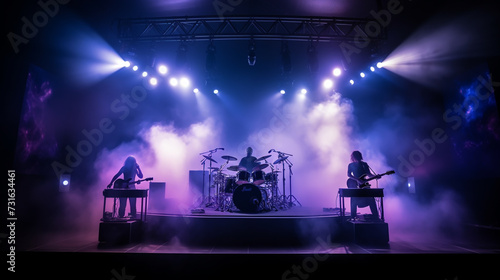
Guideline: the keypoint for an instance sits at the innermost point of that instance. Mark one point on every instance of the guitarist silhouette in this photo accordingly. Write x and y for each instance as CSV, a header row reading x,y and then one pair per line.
x,y
130,170
356,171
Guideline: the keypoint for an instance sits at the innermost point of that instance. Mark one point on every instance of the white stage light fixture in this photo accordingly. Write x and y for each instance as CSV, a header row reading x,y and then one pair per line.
x,y
173,82
153,81
337,72
162,69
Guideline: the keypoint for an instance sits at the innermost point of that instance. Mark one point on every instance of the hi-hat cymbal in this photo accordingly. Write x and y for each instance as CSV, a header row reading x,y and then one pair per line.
x,y
230,158
278,161
209,158
263,158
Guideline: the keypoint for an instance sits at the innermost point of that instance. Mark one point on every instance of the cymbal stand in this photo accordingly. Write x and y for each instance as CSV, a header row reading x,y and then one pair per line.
x,y
218,181
203,162
210,200
219,186
282,157
291,197
274,188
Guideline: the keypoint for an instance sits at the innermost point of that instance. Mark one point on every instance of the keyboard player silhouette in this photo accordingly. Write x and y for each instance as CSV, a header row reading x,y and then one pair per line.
x,y
130,170
357,170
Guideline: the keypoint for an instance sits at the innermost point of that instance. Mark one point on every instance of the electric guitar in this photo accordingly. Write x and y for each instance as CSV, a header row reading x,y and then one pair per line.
x,y
123,184
353,184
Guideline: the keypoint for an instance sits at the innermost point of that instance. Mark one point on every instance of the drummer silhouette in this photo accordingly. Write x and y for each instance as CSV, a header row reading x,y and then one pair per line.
x,y
249,162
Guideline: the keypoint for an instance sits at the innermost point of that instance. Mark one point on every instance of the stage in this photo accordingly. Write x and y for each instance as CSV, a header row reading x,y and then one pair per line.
x,y
284,244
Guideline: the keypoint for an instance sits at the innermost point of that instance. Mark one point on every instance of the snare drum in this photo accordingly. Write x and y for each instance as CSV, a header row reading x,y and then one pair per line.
x,y
242,177
258,177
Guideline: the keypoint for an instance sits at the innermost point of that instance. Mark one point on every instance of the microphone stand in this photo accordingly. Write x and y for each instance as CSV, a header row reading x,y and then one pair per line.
x,y
284,195
209,198
284,157
203,183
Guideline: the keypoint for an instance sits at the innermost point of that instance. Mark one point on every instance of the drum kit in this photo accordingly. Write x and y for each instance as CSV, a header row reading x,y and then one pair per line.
x,y
236,188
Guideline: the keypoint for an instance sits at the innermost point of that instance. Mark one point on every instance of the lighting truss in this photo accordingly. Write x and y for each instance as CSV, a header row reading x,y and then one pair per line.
x,y
320,29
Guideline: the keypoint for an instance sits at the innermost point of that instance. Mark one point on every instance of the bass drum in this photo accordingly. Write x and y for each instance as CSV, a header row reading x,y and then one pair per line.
x,y
248,198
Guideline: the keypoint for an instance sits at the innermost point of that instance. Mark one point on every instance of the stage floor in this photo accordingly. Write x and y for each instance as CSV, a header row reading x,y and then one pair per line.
x,y
437,257
472,240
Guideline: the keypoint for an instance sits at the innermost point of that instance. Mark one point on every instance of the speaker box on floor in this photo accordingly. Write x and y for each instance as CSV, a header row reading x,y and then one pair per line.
x,y
368,233
118,233
196,180
157,201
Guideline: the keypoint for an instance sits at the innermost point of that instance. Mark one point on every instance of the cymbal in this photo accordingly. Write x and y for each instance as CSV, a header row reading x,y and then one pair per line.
x,y
263,158
280,160
260,167
234,168
230,158
209,158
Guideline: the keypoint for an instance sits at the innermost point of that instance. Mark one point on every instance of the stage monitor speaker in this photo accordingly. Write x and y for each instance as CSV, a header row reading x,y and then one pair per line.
x,y
118,233
196,182
156,196
369,233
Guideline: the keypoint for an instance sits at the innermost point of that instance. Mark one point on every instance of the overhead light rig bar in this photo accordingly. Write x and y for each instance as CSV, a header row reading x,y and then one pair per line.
x,y
319,29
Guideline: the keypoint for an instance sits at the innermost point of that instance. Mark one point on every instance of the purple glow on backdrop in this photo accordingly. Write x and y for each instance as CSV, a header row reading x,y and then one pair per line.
x,y
36,141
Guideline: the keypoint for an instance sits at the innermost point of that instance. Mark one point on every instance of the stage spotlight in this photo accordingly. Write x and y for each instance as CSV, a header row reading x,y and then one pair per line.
x,y
126,63
380,65
153,81
144,74
184,82
210,58
351,82
196,90
327,84
372,68
411,185
64,182
252,55
135,68
337,72
312,59
181,58
216,91
173,82
303,91
282,91
362,74
163,69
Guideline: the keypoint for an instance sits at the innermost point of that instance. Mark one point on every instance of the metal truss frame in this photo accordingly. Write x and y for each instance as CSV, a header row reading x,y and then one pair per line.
x,y
318,29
